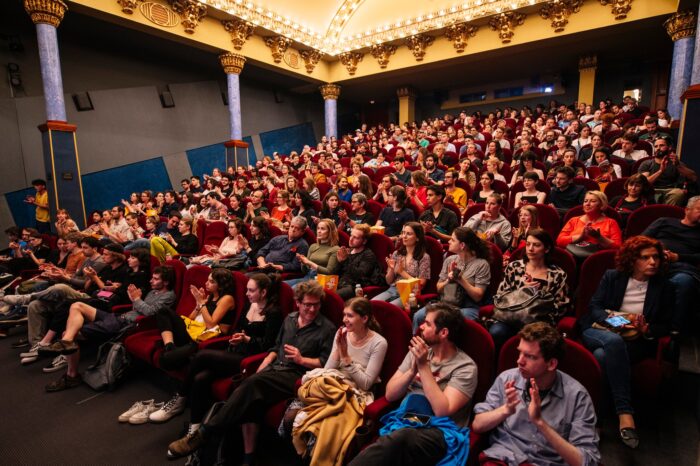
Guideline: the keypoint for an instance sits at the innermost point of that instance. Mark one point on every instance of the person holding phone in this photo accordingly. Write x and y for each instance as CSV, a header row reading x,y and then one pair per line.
x,y
638,288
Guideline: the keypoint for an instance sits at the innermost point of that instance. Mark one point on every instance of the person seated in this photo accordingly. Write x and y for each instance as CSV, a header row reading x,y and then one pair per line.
x,y
538,401
64,223
304,206
638,287
28,257
321,258
526,165
167,245
651,124
401,174
437,220
464,277
233,245
486,180
359,214
259,236
358,355
310,187
378,162
93,323
454,193
343,188
410,260
382,194
396,214
255,206
493,166
61,259
568,160
608,171
627,152
638,192
435,175
531,195
365,187
281,213
528,219
565,194
357,264
667,174
490,224
592,231
438,377
355,172
417,191
304,342
280,253
331,208
535,270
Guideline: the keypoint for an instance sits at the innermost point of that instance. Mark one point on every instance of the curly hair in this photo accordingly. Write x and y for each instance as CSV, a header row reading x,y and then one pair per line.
x,y
551,341
224,282
630,250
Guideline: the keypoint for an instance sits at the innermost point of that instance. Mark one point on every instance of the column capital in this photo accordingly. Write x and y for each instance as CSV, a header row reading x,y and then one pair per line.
x,y
587,62
330,91
232,63
406,91
46,11
681,25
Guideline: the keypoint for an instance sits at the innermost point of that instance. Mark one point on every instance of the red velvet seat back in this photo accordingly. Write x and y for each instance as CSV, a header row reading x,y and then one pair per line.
x,y
396,328
592,271
382,247
478,344
547,215
214,234
640,219
435,251
196,275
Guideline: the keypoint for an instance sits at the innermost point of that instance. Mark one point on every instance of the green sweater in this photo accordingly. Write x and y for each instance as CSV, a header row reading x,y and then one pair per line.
x,y
324,256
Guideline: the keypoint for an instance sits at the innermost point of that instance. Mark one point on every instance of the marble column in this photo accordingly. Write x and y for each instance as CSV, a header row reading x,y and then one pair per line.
x,y
695,76
330,93
232,63
587,66
47,15
407,104
681,28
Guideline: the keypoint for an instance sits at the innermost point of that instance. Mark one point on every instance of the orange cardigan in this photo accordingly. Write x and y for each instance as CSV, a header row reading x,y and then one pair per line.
x,y
574,227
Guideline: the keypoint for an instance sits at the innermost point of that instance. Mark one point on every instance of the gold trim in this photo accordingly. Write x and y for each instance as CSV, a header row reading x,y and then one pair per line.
x,y
128,6
311,59
682,129
620,8
240,31
559,11
350,61
681,25
53,169
46,11
505,23
80,178
329,91
232,63
191,13
382,53
459,33
278,45
418,43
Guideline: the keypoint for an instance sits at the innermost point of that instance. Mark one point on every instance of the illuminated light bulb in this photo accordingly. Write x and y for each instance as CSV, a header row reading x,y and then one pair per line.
x,y
430,16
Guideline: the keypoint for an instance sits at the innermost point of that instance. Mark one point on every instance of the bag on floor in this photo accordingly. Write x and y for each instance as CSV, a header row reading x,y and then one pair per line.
x,y
110,367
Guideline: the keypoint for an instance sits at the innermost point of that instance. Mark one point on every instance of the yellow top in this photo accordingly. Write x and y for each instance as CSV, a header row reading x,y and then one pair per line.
x,y
42,213
459,198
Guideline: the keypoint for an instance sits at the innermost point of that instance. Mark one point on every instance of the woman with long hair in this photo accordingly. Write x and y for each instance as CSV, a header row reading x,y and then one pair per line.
x,y
331,207
486,180
259,235
304,206
364,186
234,244
638,193
526,165
310,187
281,213
465,173
418,191
321,257
531,195
64,223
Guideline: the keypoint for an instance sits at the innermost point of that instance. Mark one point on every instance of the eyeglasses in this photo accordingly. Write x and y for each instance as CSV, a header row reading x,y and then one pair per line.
x,y
310,305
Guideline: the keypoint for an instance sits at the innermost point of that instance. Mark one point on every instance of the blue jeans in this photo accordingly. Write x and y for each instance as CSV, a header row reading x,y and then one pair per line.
x,y
143,243
309,276
501,332
471,313
684,285
391,296
611,352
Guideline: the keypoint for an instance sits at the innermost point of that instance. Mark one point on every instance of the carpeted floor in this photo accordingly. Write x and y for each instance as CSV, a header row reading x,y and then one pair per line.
x,y
79,426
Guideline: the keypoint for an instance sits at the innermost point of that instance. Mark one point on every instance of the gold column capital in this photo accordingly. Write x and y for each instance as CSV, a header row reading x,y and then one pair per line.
x,y
459,33
232,63
382,52
46,11
350,61
681,25
239,30
278,46
329,91
587,62
505,23
559,12
191,12
418,43
311,58
406,91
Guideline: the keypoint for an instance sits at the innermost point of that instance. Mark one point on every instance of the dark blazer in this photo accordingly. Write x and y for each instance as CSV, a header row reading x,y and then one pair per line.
x,y
658,304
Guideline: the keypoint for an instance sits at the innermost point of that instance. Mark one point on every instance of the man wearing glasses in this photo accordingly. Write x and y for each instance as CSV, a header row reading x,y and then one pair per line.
x,y
667,174
304,342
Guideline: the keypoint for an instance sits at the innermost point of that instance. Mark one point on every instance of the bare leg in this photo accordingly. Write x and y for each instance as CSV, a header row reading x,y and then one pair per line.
x,y
48,338
73,360
626,420
250,435
78,314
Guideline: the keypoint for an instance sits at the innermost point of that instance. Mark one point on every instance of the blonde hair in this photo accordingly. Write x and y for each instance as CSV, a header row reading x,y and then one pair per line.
x,y
602,198
332,231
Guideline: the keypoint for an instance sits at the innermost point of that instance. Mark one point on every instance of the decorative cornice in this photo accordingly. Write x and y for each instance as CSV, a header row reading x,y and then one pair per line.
x,y
46,11
278,45
406,91
350,61
681,25
460,33
239,30
418,43
329,91
559,11
382,52
232,63
311,59
128,6
587,62
620,8
191,13
505,23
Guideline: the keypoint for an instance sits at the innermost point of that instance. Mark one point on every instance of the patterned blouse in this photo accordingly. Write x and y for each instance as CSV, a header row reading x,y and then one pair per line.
x,y
514,278
416,269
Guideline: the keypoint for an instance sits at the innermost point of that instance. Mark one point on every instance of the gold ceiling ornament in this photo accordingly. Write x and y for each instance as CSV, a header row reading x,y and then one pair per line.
x,y
620,8
329,91
418,43
459,33
350,61
159,14
46,11
191,13
559,11
505,23
278,45
128,6
239,30
681,25
382,52
232,63
311,58
587,62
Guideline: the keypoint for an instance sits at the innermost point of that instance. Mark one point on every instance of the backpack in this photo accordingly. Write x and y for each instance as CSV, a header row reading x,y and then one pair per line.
x,y
110,367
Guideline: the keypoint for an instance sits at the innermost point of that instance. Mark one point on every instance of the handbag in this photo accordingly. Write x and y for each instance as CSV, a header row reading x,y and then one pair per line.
x,y
237,262
198,331
582,250
523,306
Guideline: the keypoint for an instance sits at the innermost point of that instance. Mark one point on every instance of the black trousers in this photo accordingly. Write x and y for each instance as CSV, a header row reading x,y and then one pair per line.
x,y
405,447
177,358
251,399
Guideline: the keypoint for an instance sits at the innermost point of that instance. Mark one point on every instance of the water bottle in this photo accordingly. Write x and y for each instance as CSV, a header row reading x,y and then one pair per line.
x,y
359,292
412,303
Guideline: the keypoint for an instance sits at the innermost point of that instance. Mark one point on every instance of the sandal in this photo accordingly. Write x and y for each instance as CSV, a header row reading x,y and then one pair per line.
x,y
629,437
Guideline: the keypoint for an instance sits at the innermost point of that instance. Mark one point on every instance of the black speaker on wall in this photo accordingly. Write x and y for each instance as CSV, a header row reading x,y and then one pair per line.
x,y
82,102
166,99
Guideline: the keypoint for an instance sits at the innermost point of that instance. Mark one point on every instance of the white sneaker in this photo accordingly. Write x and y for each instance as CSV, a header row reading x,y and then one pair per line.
x,y
29,360
141,417
174,406
33,351
58,363
17,298
135,408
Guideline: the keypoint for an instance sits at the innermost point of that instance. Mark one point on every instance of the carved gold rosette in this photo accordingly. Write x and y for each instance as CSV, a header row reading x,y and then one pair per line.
x,y
330,91
278,45
460,33
311,59
620,8
559,11
239,30
681,25
350,61
382,52
232,63
46,11
191,13
505,23
418,43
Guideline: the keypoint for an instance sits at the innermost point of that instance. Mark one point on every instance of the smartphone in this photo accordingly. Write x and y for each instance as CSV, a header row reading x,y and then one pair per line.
x,y
617,321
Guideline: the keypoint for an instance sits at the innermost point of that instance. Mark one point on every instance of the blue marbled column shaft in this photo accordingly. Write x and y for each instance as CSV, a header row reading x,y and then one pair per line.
x,y
234,105
695,76
51,72
681,67
331,117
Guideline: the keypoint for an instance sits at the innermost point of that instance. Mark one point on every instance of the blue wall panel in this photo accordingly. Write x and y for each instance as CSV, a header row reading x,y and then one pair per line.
x,y
288,139
22,213
205,159
106,188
